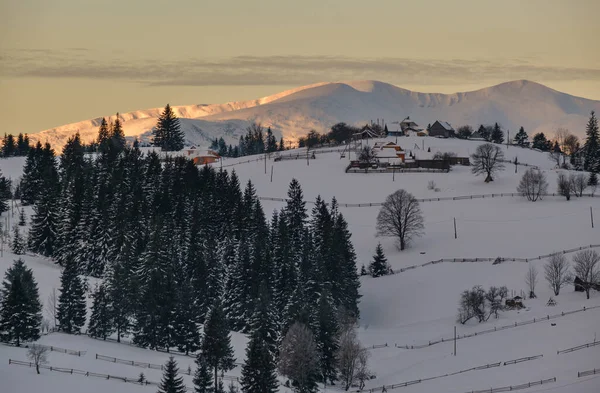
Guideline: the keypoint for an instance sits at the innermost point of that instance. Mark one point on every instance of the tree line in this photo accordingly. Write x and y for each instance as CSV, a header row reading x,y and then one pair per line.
x,y
15,147
255,141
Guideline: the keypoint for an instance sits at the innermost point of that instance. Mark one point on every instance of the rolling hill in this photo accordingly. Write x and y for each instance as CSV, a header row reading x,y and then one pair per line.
x,y
293,113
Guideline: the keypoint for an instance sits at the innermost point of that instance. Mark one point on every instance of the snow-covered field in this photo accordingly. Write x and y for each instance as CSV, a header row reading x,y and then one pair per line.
x,y
408,308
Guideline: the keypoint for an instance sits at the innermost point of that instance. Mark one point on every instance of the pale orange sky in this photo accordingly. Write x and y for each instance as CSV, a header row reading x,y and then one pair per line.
x,y
63,61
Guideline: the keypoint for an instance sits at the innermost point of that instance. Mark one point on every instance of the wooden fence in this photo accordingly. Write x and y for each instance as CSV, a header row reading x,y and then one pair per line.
x,y
577,348
50,348
476,368
440,199
495,329
514,387
581,374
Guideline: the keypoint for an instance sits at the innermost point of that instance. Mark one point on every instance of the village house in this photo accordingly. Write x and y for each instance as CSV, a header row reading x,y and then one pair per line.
x,y
441,129
201,157
389,152
408,128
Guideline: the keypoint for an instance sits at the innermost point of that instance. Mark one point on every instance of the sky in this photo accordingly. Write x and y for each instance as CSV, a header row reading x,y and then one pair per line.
x,y
63,61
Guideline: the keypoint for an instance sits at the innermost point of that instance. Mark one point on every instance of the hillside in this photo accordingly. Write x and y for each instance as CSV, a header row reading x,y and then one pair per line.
x,y
294,112
410,308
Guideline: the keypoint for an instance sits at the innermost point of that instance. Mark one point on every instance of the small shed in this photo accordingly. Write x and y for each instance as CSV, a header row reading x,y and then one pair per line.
x,y
441,129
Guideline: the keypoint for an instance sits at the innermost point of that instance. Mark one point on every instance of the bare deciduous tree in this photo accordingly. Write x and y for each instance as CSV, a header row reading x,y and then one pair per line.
x,y
570,144
362,370
555,156
349,359
556,272
37,354
487,160
579,183
299,357
52,307
587,268
560,136
564,185
531,280
472,304
400,217
533,184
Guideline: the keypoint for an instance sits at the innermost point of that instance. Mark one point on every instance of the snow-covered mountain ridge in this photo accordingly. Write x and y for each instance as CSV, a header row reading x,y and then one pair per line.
x,y
294,112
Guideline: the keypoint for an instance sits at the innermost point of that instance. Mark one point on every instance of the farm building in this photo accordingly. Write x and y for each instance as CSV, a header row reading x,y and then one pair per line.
x,y
367,132
201,157
441,129
408,128
389,152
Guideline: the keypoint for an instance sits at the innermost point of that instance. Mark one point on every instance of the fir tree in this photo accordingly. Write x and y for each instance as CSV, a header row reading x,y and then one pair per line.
x,y
484,132
497,134
271,142
167,133
43,231
591,148
4,193
593,179
101,318
186,332
203,380
540,142
117,137
258,371
103,137
72,304
20,307
216,343
18,243
281,144
170,382
379,266
521,137
263,322
326,338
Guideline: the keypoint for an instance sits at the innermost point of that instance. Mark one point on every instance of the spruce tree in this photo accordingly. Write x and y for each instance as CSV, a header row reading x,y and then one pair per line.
x,y
103,137
203,380
258,371
101,324
171,383
521,137
71,301
20,307
186,331
117,137
591,147
18,243
216,343
5,195
43,231
22,218
593,179
497,134
167,133
264,321
326,338
540,142
345,290
379,266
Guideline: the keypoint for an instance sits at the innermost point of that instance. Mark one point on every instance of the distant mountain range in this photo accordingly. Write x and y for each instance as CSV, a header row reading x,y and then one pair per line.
x,y
293,113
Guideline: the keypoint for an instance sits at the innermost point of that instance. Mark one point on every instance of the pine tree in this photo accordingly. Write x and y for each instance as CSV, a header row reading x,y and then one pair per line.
x,y
521,137
326,338
72,304
345,290
216,343
101,318
281,144
497,134
258,371
4,193
43,231
484,132
186,331
203,380
271,141
591,148
593,179
103,137
20,307
540,142
170,382
117,137
379,266
167,133
263,323
18,243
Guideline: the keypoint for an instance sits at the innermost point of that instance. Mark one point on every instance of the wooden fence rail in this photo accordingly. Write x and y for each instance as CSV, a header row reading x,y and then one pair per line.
x,y
50,348
588,372
577,348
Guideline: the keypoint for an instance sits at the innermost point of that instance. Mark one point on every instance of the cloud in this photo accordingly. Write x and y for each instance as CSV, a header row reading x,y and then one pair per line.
x,y
276,70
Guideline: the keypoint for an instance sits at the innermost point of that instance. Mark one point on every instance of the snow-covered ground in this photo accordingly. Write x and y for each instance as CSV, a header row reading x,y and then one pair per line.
x,y
412,307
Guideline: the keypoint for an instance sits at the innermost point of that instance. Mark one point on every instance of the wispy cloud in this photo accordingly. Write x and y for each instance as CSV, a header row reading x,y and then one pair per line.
x,y
275,70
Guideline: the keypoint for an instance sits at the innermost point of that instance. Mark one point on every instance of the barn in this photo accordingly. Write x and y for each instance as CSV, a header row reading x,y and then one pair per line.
x,y
441,129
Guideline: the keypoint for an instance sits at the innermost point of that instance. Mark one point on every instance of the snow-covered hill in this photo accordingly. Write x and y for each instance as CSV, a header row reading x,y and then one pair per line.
x,y
409,308
294,112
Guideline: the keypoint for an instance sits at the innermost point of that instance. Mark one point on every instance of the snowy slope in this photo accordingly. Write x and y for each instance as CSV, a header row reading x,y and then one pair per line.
x,y
412,307
294,112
